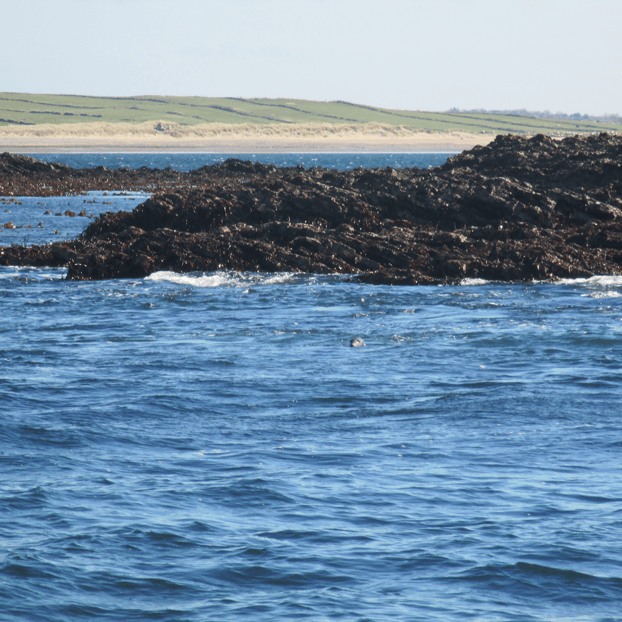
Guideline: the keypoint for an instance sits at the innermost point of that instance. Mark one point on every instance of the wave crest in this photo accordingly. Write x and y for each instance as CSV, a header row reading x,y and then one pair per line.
x,y
225,278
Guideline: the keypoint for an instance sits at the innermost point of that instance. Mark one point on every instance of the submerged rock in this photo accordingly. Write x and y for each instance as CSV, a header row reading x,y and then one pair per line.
x,y
516,210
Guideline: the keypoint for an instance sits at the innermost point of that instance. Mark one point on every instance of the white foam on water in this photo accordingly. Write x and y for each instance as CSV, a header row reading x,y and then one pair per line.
x,y
609,294
598,281
222,278
602,286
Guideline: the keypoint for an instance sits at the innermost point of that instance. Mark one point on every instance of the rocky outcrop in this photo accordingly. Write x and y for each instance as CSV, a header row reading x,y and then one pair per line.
x,y
24,176
516,210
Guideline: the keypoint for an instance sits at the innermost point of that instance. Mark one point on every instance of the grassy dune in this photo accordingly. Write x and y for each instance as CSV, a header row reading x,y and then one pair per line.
x,y
232,138
215,129
185,113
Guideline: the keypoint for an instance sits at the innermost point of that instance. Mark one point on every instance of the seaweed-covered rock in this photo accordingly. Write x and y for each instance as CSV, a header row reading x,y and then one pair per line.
x,y
516,210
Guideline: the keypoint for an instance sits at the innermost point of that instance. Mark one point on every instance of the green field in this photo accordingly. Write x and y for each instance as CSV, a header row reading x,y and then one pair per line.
x,y
25,109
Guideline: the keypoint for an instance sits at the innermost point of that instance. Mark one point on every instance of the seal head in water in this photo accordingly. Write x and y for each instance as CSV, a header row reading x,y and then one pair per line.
x,y
357,342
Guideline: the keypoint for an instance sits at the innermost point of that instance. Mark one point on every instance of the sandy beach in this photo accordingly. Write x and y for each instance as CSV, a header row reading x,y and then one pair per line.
x,y
221,138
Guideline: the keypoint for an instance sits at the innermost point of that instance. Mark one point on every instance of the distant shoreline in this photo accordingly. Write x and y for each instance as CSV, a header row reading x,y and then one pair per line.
x,y
238,148
220,138
205,115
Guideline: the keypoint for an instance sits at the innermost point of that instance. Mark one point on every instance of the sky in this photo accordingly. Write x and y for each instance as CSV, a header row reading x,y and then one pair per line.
x,y
557,55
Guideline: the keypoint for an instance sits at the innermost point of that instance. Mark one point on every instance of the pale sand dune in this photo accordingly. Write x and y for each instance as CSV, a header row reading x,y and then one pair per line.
x,y
221,138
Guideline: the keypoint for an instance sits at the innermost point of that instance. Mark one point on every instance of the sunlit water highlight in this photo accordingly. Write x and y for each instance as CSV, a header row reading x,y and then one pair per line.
x,y
208,447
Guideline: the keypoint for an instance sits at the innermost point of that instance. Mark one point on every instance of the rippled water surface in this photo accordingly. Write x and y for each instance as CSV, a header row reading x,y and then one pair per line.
x,y
193,160
209,447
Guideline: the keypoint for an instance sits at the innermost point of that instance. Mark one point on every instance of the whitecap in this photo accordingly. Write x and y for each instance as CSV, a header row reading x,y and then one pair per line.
x,y
599,281
608,294
222,278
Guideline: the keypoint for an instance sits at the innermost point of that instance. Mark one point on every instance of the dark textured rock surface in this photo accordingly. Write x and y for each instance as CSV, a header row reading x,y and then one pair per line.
x,y
518,209
24,176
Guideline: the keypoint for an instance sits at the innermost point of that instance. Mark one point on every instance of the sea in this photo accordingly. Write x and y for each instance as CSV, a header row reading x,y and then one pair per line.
x,y
209,447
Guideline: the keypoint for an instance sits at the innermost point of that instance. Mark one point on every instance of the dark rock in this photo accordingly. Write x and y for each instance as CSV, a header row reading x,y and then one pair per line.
x,y
516,210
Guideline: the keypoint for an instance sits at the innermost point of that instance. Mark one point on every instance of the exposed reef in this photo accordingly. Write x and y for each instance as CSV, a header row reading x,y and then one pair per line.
x,y
24,176
516,210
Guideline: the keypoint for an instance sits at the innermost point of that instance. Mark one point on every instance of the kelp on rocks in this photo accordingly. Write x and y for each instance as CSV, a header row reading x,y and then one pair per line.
x,y
516,210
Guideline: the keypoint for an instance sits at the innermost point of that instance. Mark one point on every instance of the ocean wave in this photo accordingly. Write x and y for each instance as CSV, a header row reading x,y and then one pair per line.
x,y
566,574
229,278
608,294
474,282
597,281
594,281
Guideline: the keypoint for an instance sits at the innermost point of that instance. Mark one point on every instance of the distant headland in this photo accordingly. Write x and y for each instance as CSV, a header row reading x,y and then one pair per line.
x,y
38,123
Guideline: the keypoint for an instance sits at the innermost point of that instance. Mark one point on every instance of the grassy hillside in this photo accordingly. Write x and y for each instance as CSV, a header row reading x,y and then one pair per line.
x,y
26,109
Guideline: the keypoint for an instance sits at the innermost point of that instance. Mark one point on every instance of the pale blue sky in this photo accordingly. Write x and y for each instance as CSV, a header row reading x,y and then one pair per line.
x,y
560,55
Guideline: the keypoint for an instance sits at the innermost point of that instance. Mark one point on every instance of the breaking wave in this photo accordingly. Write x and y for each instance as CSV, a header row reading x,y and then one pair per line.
x,y
228,278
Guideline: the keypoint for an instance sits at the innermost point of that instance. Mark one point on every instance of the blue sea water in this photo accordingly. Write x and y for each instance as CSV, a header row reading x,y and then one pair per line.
x,y
208,447
193,160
